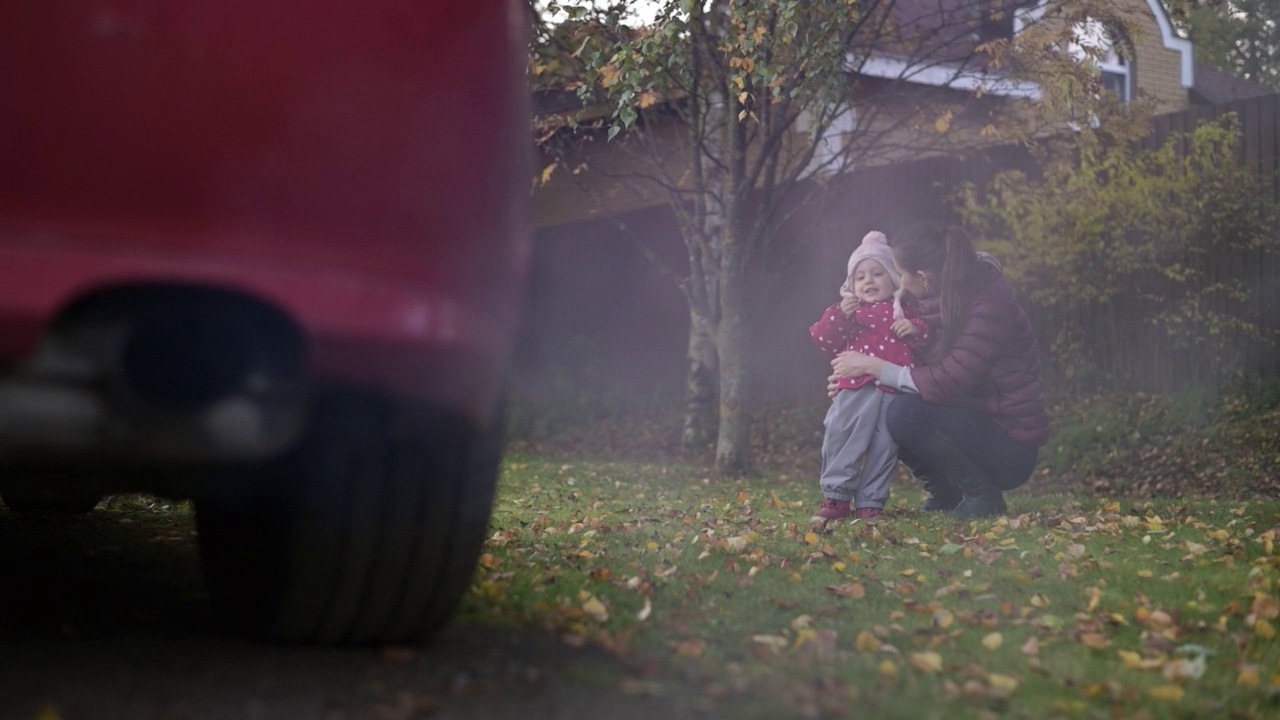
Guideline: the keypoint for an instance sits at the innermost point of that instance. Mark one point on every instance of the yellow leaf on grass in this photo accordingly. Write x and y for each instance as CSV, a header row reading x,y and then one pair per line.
x,y
1264,629
1145,573
993,641
1249,676
928,662
803,636
1130,659
866,642
888,669
1166,692
1040,601
773,641
943,618
1004,683
811,538
596,609
1094,596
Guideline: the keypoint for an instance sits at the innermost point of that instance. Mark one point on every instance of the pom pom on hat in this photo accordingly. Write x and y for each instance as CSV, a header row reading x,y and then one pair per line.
x,y
875,246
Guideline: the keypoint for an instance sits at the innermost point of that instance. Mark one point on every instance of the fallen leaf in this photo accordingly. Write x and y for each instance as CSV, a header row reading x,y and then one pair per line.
x,y
1005,683
943,618
1264,629
855,590
993,641
1249,676
1130,659
595,609
773,641
399,654
888,669
1039,600
811,538
803,636
1097,641
950,549
928,662
866,642
645,611
695,648
1183,669
1031,646
1166,692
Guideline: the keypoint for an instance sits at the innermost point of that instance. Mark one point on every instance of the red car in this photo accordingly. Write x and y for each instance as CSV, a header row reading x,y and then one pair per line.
x,y
268,255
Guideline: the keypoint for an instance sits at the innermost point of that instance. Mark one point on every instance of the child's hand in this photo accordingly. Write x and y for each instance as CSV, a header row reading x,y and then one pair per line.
x,y
904,328
848,305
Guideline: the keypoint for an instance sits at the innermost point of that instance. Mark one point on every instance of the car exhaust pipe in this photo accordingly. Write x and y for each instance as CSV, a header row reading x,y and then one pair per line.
x,y
187,359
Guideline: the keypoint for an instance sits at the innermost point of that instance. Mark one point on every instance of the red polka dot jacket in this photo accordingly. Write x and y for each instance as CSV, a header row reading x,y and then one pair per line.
x,y
869,331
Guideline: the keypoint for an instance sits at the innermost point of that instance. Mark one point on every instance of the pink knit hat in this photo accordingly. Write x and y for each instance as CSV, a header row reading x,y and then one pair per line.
x,y
875,247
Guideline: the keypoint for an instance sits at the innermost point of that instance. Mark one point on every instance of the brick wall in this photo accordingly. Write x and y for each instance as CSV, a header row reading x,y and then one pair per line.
x,y
1158,68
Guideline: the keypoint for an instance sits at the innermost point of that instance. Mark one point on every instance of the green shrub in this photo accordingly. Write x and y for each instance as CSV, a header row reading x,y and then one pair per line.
x,y
1137,265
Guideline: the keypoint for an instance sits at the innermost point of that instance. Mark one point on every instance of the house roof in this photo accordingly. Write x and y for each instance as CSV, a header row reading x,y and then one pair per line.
x,y
1214,87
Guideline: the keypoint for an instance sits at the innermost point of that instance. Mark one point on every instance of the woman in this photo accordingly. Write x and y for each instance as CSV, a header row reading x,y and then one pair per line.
x,y
971,420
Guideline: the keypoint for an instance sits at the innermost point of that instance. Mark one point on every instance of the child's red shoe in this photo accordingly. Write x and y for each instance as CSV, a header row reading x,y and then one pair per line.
x,y
830,510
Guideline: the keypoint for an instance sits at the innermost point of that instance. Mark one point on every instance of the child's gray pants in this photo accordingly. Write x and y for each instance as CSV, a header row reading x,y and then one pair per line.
x,y
858,456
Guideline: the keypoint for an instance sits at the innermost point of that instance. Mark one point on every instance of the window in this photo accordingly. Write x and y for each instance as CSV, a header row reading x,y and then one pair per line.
x,y
1098,43
833,141
997,19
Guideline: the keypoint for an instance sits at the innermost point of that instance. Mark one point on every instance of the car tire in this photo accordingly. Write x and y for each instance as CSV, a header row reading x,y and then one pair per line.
x,y
61,502
367,533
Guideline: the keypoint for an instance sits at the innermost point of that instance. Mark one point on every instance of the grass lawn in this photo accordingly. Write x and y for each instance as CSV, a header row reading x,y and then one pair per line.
x,y
722,596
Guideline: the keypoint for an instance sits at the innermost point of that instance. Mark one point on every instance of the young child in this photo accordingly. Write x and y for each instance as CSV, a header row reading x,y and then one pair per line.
x,y
858,456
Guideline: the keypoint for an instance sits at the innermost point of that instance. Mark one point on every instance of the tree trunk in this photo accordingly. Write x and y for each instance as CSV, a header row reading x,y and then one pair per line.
x,y
733,444
702,385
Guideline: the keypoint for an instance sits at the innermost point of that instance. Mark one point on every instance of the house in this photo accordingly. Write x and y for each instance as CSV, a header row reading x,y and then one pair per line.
x,y
1150,61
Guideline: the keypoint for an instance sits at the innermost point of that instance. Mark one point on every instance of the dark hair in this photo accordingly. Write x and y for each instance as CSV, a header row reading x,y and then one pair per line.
x,y
945,252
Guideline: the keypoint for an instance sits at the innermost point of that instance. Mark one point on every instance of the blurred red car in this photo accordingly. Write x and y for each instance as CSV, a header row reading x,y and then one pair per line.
x,y
268,255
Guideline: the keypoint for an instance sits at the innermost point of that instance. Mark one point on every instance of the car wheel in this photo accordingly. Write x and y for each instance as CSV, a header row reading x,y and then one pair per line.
x,y
51,502
367,533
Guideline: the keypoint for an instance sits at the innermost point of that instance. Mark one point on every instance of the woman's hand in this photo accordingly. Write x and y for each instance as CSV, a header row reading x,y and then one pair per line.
x,y
852,364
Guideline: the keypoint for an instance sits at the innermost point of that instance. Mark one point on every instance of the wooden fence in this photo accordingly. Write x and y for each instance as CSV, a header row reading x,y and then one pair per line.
x,y
1158,363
